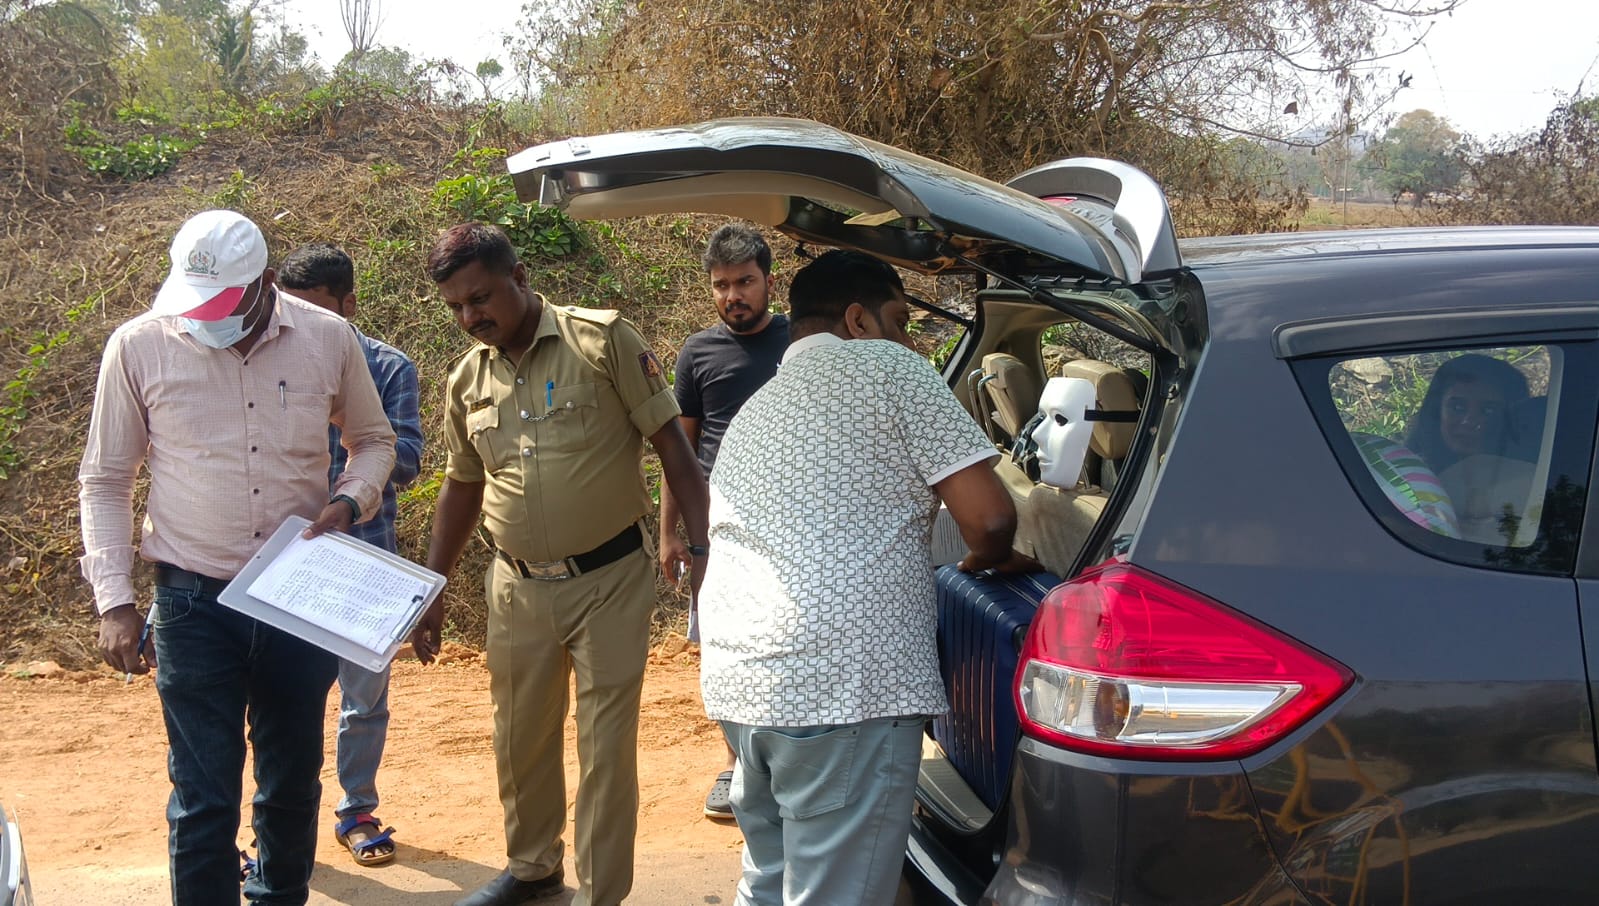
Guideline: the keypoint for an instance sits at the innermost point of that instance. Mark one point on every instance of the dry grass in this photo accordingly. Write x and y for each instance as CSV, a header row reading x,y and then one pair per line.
x,y
364,180
1324,215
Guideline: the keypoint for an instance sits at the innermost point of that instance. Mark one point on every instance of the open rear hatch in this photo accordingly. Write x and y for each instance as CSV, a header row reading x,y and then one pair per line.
x,y
818,184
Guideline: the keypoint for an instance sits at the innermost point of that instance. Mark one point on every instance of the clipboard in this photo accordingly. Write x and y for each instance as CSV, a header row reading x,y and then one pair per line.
x,y
374,656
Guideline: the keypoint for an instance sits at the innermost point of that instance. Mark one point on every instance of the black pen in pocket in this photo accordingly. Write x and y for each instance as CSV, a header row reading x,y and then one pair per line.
x,y
283,395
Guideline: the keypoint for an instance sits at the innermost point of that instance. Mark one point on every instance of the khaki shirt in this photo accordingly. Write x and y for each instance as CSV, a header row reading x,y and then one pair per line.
x,y
557,437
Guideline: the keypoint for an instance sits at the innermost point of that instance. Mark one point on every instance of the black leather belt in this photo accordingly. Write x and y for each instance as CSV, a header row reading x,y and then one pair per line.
x,y
172,577
626,542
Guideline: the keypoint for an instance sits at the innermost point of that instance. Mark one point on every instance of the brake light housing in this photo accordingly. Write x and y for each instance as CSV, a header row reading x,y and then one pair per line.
x,y
1123,663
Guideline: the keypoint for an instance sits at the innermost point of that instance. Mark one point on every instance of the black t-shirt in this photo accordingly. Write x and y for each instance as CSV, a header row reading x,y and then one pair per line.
x,y
718,370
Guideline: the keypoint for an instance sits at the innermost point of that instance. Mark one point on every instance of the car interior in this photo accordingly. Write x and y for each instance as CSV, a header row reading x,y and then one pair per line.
x,y
1022,346
999,372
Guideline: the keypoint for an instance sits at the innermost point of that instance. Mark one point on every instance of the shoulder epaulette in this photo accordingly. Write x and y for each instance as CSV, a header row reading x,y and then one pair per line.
x,y
602,316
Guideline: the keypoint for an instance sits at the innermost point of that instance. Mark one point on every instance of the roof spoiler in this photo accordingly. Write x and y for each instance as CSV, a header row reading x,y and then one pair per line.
x,y
1123,200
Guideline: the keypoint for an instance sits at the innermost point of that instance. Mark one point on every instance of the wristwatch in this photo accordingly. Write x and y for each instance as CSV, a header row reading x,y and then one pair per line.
x,y
698,550
355,508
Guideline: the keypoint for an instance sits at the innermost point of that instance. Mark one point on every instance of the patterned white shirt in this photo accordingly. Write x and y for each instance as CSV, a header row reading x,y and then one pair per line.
x,y
818,605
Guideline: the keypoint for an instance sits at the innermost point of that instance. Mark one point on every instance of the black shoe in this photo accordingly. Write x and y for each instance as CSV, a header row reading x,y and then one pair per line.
x,y
509,890
719,803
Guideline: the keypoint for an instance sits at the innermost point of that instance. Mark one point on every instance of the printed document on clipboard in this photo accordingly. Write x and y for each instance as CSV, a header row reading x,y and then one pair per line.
x,y
337,592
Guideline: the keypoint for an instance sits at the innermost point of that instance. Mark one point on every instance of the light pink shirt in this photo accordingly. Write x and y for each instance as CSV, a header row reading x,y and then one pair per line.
x,y
234,443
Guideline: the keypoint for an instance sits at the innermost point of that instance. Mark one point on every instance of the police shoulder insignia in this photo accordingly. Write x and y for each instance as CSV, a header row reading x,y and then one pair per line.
x,y
650,365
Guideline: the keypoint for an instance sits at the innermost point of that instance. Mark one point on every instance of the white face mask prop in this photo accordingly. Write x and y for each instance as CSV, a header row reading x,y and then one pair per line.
x,y
222,333
1063,434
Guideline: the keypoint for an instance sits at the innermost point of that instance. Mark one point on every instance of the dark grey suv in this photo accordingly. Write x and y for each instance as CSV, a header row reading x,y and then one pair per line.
x,y
1314,625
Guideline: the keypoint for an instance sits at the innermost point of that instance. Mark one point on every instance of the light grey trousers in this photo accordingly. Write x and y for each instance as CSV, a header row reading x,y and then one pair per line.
x,y
825,811
363,728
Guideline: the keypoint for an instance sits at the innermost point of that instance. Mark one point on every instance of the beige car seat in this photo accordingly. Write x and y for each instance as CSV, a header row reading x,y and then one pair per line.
x,y
1491,499
1117,390
1009,393
1053,523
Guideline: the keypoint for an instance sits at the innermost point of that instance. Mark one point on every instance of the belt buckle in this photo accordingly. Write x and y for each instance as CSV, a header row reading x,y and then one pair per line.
x,y
552,571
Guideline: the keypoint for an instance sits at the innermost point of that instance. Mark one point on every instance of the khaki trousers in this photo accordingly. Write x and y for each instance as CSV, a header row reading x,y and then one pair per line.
x,y
597,626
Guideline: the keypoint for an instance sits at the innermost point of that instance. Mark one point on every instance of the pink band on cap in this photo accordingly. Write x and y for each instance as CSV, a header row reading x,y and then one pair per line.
x,y
218,306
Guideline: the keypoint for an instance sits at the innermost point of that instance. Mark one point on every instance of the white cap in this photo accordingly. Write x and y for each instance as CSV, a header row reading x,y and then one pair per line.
x,y
215,255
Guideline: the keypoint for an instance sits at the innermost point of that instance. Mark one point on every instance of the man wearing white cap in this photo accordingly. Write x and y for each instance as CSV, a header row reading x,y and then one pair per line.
x,y
224,391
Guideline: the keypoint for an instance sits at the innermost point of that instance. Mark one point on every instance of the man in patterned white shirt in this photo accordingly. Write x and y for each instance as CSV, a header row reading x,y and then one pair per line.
x,y
817,613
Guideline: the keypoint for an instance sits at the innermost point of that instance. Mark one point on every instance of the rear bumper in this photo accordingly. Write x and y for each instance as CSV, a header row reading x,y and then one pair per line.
x,y
936,874
1086,831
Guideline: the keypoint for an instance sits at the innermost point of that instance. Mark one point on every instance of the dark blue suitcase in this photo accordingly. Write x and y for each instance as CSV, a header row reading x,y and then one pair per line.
x,y
982,620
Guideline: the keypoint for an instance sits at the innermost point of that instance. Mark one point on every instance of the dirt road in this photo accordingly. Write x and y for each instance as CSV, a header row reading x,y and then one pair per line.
x,y
82,765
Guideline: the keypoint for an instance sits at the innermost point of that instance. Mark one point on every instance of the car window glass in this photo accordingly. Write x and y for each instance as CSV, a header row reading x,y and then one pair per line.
x,y
1480,453
1120,376
937,337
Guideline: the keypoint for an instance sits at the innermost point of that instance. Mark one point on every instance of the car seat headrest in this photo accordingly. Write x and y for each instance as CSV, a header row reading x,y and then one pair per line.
x,y
1013,391
1116,392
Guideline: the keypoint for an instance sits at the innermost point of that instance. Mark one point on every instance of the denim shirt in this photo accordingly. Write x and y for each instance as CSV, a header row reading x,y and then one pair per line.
x,y
396,380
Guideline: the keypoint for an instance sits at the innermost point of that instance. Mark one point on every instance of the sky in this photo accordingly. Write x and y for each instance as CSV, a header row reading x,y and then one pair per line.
x,y
1492,67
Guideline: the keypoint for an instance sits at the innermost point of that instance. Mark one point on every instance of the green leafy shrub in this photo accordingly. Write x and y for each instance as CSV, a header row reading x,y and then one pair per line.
x,y
17,393
538,232
143,116
140,158
235,194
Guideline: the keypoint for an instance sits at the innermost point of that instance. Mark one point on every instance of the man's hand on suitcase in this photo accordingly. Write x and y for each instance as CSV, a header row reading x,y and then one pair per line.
x,y
1016,563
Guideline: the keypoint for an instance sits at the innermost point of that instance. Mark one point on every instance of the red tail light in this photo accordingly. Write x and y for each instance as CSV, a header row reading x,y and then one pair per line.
x,y
1121,662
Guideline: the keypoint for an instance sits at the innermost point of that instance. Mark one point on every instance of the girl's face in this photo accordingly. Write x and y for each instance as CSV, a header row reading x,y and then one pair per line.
x,y
1473,418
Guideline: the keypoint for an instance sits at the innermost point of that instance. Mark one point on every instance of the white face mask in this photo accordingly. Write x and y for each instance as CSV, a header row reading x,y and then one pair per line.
x,y
1063,435
222,333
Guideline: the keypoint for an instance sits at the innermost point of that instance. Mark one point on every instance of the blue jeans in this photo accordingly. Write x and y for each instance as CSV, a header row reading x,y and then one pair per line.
x,y
218,671
825,811
363,728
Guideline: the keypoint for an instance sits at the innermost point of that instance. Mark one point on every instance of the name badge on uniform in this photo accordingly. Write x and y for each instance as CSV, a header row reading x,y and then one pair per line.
x,y
483,403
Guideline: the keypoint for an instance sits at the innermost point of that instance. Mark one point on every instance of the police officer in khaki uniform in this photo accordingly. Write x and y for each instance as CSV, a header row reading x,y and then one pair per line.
x,y
545,425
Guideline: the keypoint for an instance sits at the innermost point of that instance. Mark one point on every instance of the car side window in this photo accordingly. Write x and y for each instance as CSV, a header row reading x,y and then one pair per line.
x,y
1478,455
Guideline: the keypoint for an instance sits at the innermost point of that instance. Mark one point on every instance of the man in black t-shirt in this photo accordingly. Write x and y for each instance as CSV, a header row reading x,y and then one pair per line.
x,y
718,369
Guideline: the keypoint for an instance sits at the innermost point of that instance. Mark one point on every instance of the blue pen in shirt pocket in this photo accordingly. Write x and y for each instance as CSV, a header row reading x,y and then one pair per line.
x,y
549,394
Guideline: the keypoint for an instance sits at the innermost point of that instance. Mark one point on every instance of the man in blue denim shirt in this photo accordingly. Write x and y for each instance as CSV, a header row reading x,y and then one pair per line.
x,y
325,276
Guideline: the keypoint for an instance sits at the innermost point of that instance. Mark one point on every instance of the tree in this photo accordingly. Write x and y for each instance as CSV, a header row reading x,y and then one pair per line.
x,y
188,57
361,20
54,62
171,69
388,66
232,45
486,72
1420,155
991,85
1549,176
